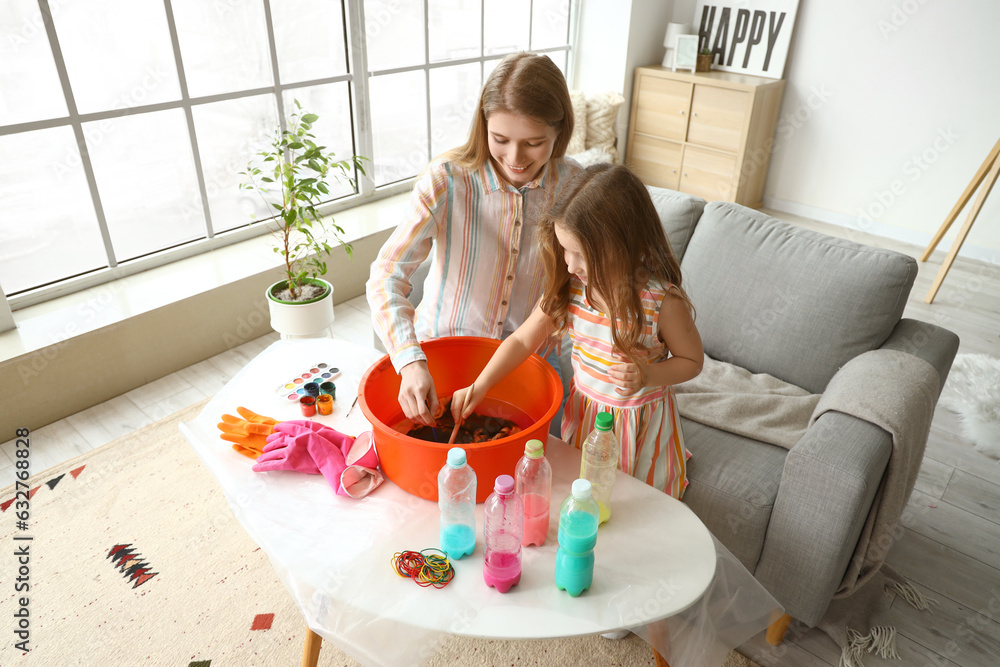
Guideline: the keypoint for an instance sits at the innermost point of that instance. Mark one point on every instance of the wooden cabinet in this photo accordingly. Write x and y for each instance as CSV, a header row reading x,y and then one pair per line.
x,y
708,134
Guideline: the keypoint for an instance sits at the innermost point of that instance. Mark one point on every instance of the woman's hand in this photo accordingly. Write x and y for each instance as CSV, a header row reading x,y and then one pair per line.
x,y
629,377
416,394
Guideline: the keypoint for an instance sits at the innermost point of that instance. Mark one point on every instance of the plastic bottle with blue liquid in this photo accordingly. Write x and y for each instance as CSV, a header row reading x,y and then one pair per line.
x,y
579,518
457,502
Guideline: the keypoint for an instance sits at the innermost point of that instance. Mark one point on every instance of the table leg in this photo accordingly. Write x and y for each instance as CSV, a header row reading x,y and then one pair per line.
x,y
659,635
776,631
310,652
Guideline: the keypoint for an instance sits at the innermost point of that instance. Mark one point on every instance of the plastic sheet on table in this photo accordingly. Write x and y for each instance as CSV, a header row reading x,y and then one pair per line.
x,y
733,609
333,553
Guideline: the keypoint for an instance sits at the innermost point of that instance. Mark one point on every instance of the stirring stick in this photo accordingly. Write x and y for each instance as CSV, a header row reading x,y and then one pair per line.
x,y
458,422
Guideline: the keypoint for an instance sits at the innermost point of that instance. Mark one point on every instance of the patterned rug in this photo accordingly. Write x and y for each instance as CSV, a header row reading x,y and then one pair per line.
x,y
129,555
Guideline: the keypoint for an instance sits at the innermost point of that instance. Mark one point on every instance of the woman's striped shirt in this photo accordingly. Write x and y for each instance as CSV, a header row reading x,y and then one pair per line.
x,y
486,274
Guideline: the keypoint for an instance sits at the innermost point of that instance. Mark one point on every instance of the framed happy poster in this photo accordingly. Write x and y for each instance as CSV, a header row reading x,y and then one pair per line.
x,y
748,36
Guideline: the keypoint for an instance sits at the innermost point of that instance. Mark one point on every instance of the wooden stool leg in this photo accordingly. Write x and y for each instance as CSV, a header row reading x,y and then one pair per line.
x,y
962,201
776,631
660,662
310,652
956,246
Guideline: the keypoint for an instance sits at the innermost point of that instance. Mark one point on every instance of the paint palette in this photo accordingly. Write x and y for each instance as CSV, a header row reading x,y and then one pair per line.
x,y
293,388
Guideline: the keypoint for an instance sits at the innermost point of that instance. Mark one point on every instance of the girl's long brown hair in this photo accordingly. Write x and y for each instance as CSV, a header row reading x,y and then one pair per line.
x,y
607,209
523,84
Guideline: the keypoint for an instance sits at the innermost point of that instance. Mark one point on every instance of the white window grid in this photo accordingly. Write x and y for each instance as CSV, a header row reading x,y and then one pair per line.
x,y
354,22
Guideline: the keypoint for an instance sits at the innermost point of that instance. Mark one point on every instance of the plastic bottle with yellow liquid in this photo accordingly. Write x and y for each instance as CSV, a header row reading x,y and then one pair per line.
x,y
599,462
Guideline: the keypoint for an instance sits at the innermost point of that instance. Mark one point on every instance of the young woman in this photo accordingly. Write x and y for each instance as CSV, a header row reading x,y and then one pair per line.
x,y
477,209
614,283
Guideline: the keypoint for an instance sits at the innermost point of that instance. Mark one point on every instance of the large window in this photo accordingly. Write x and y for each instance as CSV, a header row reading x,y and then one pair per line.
x,y
124,124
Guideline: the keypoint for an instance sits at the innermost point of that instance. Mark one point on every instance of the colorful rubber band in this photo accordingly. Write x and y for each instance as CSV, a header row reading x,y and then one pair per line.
x,y
425,569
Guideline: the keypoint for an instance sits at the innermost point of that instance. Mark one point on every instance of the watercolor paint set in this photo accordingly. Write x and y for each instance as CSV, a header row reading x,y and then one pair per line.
x,y
312,380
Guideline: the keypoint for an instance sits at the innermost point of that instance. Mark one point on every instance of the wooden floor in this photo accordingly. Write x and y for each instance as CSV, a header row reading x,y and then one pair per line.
x,y
950,549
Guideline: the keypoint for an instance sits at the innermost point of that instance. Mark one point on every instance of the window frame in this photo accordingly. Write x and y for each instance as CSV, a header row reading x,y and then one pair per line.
x,y
358,77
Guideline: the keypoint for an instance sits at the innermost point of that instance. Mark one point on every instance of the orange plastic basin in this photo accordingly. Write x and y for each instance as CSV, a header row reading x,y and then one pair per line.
x,y
529,396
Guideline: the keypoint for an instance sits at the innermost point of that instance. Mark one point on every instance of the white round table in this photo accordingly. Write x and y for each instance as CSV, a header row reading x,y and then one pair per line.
x,y
654,557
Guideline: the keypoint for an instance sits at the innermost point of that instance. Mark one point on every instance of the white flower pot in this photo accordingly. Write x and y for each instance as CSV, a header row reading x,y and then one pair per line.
x,y
301,319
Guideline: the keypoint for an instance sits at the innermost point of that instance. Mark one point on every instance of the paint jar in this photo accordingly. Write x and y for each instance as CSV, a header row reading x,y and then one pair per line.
x,y
312,388
328,388
324,403
307,404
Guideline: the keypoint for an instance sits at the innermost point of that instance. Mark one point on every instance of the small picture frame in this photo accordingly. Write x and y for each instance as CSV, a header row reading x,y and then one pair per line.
x,y
686,53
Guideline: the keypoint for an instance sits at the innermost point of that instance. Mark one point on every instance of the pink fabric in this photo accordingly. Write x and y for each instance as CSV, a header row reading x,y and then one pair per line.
x,y
350,465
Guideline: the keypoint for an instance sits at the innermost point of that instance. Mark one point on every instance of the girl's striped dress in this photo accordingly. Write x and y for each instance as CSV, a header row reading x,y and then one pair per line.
x,y
647,423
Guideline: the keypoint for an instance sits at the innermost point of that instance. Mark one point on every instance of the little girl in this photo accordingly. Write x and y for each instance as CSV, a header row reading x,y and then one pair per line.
x,y
613,282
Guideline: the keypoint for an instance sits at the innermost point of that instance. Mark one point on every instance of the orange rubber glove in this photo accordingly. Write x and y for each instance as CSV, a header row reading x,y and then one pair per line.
x,y
249,434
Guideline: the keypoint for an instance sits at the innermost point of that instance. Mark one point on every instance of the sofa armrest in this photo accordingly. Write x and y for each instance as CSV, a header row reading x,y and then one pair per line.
x,y
935,345
827,487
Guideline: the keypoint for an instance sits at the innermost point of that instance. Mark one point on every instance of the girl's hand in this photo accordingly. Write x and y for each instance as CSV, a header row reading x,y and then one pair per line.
x,y
628,377
459,399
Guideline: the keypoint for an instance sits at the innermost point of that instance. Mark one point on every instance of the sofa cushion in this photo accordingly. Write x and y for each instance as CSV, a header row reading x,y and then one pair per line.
x,y
679,214
775,298
733,482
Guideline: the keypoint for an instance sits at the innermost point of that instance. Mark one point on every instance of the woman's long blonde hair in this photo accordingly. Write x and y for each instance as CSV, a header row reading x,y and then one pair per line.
x,y
523,84
607,209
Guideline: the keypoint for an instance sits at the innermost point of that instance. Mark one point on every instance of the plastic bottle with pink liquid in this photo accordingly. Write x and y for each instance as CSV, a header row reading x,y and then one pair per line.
x,y
502,529
533,482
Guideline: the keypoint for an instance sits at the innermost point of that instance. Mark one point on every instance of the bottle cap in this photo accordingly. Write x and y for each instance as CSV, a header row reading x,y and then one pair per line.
x,y
456,457
604,421
534,449
581,489
504,484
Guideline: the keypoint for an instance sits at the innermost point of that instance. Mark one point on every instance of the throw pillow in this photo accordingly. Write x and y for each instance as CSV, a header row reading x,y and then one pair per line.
x,y
592,156
602,114
578,140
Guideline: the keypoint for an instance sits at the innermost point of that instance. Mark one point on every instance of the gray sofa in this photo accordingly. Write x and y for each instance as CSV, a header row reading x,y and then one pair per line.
x,y
796,304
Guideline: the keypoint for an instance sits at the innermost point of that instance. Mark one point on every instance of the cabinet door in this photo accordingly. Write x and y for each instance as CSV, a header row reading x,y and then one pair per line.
x,y
655,161
718,117
662,107
708,174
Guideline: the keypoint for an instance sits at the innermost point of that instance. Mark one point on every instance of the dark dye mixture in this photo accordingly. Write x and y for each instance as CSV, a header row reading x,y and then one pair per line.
x,y
476,428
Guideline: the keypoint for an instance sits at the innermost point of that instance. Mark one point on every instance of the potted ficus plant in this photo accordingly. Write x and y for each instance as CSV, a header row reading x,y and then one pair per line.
x,y
293,175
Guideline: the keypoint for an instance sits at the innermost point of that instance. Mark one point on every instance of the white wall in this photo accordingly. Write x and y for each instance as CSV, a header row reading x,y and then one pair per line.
x,y
890,108
614,37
